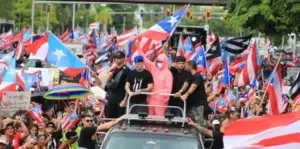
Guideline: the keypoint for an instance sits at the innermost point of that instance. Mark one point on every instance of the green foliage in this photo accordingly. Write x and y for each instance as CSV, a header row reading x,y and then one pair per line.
x,y
271,17
23,7
6,7
118,19
64,16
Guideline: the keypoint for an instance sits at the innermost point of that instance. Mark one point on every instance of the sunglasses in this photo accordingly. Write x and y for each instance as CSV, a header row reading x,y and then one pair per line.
x,y
89,121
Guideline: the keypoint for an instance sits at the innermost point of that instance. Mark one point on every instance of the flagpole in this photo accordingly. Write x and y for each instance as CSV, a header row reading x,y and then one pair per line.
x,y
261,101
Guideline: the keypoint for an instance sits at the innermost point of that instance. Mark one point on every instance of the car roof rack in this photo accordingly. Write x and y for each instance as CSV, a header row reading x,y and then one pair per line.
x,y
136,117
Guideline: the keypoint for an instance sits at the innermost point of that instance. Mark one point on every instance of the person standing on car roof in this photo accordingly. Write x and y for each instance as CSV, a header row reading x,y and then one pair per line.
x,y
196,97
138,80
163,82
115,87
181,82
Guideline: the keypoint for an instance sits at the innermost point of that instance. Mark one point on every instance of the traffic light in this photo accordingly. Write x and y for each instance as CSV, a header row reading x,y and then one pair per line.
x,y
142,12
203,17
168,12
208,13
44,7
188,13
48,8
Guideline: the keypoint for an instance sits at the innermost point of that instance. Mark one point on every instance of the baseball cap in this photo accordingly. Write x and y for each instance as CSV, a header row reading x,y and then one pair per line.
x,y
119,54
138,59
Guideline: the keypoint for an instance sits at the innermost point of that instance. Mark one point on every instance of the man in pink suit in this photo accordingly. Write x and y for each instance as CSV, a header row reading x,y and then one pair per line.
x,y
162,83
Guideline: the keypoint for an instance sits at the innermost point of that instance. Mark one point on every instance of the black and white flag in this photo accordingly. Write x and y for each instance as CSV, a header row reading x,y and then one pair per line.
x,y
295,87
214,50
237,45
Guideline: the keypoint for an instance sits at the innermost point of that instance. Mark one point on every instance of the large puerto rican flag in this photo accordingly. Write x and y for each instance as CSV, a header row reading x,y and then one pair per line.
x,y
50,48
165,28
266,132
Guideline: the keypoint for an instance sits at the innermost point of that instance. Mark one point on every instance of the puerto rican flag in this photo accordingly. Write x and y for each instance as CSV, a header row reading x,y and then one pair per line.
x,y
67,36
200,59
9,78
265,132
36,113
69,121
50,48
180,48
126,36
276,102
27,79
93,26
250,69
252,91
220,105
214,65
237,65
165,28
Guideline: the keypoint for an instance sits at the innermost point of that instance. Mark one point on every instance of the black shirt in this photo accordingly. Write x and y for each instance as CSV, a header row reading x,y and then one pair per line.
x,y
117,93
85,137
198,97
218,140
179,78
139,80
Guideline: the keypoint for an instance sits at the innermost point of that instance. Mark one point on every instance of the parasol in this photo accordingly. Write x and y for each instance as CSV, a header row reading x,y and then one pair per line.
x,y
67,91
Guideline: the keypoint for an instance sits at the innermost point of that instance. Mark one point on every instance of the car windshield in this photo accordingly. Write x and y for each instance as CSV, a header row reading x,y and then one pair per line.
x,y
150,141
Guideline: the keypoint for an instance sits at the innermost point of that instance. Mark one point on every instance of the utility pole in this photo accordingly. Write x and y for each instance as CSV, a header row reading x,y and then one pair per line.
x,y
32,15
73,17
124,23
48,17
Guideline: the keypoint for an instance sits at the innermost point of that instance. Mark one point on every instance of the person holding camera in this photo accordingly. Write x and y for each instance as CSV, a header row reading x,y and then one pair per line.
x,y
115,87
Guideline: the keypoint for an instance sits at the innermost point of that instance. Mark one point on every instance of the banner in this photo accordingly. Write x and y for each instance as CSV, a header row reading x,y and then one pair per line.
x,y
13,102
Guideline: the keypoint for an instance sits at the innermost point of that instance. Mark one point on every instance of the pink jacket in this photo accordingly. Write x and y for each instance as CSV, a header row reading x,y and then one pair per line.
x,y
162,79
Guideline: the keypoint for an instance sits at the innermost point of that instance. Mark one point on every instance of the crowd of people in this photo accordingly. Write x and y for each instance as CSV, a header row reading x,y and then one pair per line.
x,y
178,84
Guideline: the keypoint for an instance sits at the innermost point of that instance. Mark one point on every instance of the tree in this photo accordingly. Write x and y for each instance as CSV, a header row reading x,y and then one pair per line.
x,y
64,16
6,7
104,16
23,7
130,18
272,17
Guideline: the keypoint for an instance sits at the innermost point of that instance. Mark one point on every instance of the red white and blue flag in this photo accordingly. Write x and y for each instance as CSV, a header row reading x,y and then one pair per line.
x,y
165,28
9,78
69,121
200,59
274,87
36,113
250,69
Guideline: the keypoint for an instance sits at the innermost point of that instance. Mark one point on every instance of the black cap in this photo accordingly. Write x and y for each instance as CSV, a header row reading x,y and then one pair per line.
x,y
119,54
180,59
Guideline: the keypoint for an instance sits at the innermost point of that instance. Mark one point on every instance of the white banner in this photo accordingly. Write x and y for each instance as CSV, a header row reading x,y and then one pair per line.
x,y
13,102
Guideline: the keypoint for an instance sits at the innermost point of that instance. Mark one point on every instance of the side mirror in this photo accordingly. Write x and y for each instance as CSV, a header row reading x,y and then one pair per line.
x,y
100,136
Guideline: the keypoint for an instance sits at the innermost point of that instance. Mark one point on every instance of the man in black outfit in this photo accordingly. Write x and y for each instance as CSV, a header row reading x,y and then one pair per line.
x,y
138,80
181,82
115,87
196,97
87,139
